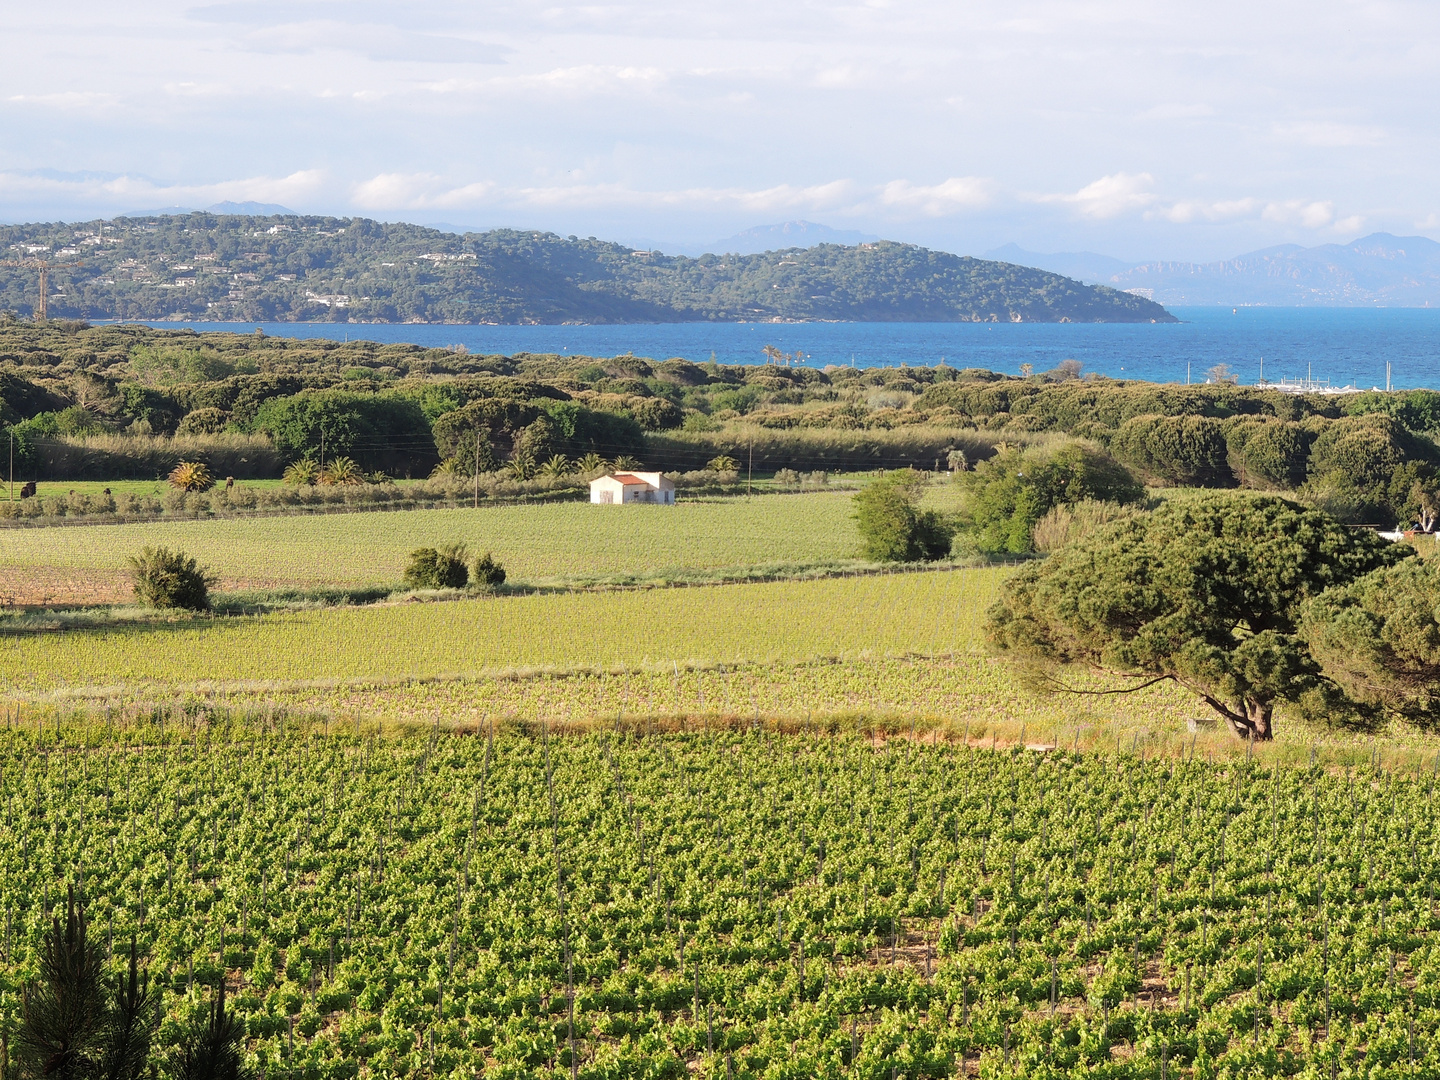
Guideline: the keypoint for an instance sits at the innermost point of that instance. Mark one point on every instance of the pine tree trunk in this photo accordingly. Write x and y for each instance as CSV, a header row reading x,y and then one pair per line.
x,y
1259,716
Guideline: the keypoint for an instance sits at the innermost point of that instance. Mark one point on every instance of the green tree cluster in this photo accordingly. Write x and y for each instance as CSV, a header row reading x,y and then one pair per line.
x,y
1379,638
893,526
1010,493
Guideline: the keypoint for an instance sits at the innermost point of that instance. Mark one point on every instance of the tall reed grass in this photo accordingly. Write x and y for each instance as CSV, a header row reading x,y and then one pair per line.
x,y
149,457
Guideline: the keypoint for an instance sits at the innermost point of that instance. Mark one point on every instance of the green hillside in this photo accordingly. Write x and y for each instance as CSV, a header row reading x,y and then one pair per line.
x,y
263,269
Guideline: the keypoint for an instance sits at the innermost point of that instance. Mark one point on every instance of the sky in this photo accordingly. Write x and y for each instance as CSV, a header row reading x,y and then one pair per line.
x,y
1145,130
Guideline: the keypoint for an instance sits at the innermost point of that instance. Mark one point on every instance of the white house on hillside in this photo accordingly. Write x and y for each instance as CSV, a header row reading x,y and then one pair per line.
x,y
633,487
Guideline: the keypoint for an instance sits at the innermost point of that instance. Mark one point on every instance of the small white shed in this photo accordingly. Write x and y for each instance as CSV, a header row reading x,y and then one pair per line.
x,y
633,487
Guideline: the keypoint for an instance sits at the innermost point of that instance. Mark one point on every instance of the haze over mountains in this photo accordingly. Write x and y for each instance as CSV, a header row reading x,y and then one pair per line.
x,y
1379,270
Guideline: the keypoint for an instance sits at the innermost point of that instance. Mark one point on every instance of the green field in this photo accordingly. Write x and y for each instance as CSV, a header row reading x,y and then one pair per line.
x,y
535,543
884,615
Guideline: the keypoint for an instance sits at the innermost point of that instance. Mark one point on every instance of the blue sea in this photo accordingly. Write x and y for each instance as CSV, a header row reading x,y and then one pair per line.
x,y
1335,346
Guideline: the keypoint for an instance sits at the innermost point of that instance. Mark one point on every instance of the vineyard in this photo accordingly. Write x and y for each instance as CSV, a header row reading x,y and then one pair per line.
x,y
733,903
882,615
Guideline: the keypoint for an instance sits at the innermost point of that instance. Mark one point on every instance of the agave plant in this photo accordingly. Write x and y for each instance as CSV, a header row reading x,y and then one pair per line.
x,y
302,472
558,465
341,470
191,476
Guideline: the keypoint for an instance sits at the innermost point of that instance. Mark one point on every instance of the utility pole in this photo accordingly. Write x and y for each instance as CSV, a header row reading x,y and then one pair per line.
x,y
750,471
322,447
477,467
12,466
42,310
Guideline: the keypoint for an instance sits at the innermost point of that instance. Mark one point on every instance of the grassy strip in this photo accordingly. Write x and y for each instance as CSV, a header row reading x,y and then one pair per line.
x,y
1146,732
252,602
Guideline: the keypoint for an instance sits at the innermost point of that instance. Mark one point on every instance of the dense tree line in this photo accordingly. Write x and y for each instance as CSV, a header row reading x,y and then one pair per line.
x,y
267,269
1365,458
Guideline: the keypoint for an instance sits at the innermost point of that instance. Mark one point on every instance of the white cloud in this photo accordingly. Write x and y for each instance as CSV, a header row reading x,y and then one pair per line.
x,y
416,191
1174,110
937,200
1191,210
897,199
298,187
1326,133
1311,215
1109,197
67,99
1120,194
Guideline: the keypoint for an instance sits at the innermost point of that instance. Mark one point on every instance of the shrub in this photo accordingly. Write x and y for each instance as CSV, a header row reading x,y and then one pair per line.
x,y
191,476
809,448
892,526
787,477
170,579
1187,450
657,414
442,568
1269,453
207,421
488,572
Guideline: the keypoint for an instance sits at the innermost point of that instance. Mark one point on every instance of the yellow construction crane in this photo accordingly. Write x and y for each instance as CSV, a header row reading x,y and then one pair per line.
x,y
42,312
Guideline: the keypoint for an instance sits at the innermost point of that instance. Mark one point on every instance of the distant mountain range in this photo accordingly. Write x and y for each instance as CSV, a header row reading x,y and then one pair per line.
x,y
788,234
1380,270
247,268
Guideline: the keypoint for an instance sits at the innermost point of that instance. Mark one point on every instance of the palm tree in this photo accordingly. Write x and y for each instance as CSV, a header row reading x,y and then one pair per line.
x,y
302,472
591,462
521,468
625,461
342,471
557,466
